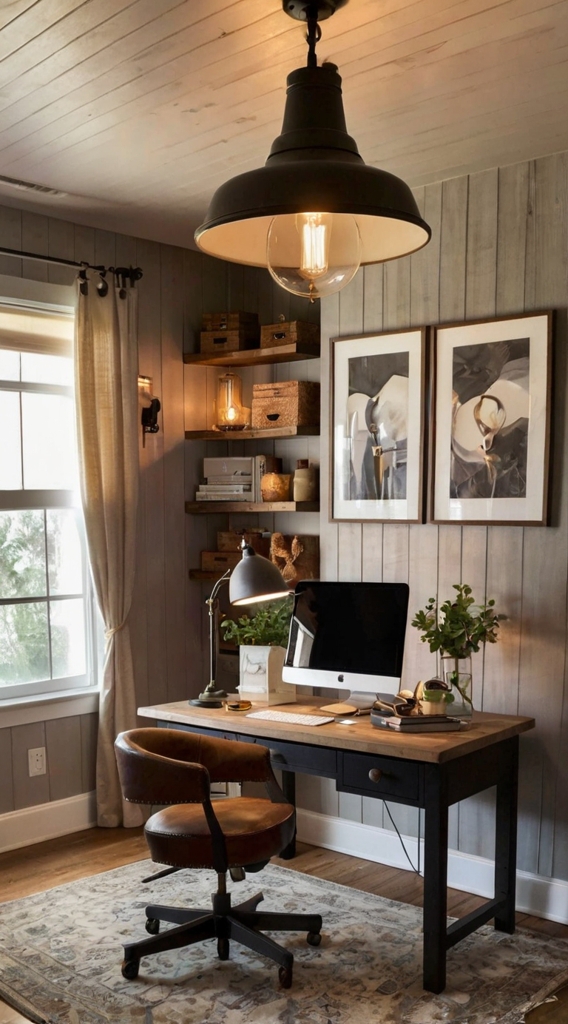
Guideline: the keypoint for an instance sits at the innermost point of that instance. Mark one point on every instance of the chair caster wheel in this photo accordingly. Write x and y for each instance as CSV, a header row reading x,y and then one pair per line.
x,y
153,926
313,938
223,949
285,977
130,969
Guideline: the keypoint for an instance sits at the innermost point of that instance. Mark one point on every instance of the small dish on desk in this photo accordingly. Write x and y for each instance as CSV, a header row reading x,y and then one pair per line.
x,y
238,705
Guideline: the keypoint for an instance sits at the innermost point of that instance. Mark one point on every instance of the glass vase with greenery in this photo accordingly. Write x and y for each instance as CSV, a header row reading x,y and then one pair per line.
x,y
457,629
268,627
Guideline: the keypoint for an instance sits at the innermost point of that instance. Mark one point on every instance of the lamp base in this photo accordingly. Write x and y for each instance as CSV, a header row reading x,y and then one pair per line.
x,y
210,698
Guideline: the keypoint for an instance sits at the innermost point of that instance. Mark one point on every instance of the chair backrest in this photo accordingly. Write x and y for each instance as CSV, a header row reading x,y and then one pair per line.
x,y
170,766
155,767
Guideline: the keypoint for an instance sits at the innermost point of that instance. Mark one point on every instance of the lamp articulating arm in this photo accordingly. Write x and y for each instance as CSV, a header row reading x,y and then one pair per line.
x,y
211,696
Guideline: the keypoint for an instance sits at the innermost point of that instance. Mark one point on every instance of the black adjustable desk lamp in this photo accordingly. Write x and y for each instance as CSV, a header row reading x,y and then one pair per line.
x,y
254,579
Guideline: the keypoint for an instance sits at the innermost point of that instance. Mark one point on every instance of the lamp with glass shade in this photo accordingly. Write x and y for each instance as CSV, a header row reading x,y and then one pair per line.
x,y
315,212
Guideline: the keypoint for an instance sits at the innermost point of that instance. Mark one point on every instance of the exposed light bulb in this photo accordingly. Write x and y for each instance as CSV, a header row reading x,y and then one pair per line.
x,y
231,413
313,254
316,229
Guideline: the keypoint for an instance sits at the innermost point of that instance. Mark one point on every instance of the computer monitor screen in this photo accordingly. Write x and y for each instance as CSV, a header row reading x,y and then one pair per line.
x,y
347,635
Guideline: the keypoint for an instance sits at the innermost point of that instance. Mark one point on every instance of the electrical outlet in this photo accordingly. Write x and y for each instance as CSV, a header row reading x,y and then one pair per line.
x,y
36,761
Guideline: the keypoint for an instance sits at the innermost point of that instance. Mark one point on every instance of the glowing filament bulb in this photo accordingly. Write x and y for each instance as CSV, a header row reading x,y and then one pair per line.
x,y
316,230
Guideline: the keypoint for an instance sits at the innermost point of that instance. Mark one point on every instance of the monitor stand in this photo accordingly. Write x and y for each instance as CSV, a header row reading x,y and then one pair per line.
x,y
357,703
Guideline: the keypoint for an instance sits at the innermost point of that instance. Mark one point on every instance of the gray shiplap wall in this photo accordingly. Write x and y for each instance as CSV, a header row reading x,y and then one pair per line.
x,y
167,619
499,246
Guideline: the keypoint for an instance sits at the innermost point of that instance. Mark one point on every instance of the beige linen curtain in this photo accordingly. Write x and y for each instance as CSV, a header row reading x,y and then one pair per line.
x,y
106,369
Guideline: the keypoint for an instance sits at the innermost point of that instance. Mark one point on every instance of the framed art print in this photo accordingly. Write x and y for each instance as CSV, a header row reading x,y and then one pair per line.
x,y
377,428
491,418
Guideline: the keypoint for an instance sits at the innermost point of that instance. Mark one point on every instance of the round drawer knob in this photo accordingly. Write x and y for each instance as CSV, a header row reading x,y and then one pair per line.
x,y
375,775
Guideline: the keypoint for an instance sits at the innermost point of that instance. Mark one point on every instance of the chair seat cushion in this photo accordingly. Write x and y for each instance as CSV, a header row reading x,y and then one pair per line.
x,y
254,830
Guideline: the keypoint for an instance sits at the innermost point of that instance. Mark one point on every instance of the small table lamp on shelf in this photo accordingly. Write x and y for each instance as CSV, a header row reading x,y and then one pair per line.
x,y
254,579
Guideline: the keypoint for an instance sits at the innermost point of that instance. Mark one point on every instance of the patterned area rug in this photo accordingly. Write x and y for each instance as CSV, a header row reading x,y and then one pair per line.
x,y
60,955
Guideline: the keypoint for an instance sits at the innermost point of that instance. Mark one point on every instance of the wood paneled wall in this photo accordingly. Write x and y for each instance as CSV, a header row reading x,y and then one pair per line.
x,y
499,246
167,621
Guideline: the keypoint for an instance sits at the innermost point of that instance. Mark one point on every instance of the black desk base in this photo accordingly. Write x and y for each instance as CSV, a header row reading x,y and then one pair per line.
x,y
434,787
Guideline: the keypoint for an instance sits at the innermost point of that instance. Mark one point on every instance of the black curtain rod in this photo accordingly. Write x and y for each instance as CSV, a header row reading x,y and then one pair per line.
x,y
134,273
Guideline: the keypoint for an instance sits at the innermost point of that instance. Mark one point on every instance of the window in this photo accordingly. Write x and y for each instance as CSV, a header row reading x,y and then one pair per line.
x,y
46,607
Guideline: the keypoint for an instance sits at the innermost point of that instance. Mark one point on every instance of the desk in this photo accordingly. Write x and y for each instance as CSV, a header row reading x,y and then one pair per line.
x,y
431,771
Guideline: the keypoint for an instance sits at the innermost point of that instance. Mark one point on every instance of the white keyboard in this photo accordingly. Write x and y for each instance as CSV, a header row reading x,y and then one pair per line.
x,y
288,716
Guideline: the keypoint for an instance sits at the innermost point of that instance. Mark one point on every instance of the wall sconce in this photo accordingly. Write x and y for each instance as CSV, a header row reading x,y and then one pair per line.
x,y
150,406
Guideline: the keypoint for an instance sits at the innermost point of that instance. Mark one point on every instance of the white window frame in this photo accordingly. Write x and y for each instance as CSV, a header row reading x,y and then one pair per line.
x,y
34,297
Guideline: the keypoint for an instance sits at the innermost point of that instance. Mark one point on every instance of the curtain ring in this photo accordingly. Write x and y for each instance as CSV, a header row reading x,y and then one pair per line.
x,y
102,286
84,283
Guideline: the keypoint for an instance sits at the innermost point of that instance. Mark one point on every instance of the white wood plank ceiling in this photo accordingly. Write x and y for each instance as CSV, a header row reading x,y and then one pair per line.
x,y
139,109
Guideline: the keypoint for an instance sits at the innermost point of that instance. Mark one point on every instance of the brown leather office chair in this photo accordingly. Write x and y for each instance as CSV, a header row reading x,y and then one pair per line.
x,y
169,766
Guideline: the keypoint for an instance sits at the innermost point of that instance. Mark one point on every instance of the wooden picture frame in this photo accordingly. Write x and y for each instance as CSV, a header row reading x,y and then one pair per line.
x,y
377,427
490,421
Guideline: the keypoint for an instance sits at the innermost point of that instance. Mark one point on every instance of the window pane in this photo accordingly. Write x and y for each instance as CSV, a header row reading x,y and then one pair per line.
x,y
9,365
64,554
10,442
50,456
22,554
67,637
24,648
40,369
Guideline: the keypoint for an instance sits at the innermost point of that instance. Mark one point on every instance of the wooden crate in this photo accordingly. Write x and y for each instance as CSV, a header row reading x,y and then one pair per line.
x,y
228,321
215,342
229,540
211,561
292,403
297,331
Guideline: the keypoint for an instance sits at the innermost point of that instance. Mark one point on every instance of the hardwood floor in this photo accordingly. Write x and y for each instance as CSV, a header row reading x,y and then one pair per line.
x,y
68,858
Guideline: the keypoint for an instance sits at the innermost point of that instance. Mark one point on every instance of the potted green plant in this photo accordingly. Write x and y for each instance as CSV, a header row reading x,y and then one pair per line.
x,y
435,696
457,629
262,640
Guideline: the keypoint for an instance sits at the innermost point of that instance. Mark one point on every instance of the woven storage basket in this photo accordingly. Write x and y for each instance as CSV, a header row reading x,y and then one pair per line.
x,y
272,335
228,321
214,342
291,403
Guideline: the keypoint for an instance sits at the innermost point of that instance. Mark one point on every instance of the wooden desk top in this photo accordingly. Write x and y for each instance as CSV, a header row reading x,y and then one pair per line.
x,y
486,728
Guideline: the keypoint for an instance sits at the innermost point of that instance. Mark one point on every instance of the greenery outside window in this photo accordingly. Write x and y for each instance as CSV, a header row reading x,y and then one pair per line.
x,y
46,602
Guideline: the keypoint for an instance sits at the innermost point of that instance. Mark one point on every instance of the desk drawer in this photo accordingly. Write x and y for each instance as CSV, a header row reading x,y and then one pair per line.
x,y
299,757
391,777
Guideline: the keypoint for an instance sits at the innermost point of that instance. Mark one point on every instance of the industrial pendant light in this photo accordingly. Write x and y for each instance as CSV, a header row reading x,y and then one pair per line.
x,y
315,212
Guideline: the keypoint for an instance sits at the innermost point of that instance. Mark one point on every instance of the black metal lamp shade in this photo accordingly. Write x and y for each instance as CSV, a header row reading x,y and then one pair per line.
x,y
314,166
255,579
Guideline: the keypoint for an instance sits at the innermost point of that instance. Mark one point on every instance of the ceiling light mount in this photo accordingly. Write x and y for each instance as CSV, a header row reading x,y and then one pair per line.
x,y
302,10
315,212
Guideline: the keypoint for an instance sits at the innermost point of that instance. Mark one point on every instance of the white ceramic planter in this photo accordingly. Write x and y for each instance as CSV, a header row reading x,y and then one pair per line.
x,y
260,675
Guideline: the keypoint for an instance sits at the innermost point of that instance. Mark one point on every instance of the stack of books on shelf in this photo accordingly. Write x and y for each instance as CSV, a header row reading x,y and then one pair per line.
x,y
235,479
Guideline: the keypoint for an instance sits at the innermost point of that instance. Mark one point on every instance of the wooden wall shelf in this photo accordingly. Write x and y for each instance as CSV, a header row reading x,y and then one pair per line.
x,y
255,356
250,435
215,507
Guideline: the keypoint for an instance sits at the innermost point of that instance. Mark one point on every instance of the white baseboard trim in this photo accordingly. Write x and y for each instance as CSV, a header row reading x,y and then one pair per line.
x,y
536,894
47,821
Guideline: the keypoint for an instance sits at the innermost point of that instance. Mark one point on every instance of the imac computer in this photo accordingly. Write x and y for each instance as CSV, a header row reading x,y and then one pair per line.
x,y
347,636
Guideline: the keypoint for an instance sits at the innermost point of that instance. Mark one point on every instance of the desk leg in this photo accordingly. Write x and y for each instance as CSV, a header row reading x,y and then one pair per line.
x,y
289,790
435,878
506,837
